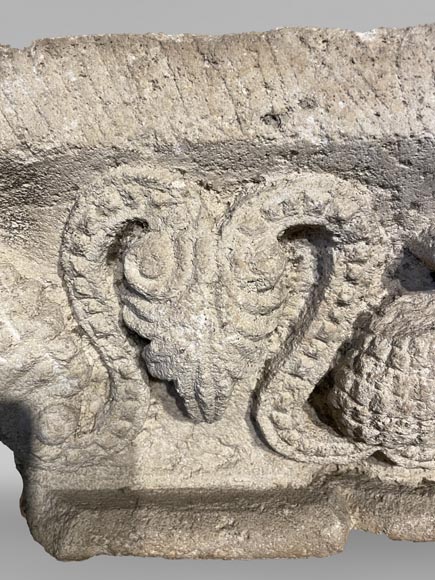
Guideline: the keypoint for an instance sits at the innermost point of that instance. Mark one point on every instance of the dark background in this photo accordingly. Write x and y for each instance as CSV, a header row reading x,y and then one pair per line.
x,y
366,556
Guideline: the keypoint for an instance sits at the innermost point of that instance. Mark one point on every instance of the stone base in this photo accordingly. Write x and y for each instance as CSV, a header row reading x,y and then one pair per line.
x,y
231,524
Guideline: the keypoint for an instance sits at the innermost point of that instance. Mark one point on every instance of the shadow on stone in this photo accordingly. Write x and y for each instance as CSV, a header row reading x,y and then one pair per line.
x,y
413,275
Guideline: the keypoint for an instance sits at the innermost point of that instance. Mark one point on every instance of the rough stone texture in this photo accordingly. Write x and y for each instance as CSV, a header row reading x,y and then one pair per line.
x,y
217,318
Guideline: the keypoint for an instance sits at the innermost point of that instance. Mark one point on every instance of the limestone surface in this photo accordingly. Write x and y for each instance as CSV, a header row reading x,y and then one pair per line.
x,y
217,315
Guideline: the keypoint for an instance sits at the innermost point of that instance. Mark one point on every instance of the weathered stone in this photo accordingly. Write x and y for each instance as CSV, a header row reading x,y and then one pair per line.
x,y
217,296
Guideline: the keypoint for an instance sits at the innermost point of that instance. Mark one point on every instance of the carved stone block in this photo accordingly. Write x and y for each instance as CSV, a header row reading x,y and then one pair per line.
x,y
217,318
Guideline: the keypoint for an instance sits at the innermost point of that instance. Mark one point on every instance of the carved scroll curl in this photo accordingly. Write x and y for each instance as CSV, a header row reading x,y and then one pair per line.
x,y
338,218
119,209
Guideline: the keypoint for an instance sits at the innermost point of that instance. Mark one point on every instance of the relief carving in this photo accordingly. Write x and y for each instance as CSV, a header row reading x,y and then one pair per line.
x,y
217,292
383,390
218,299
